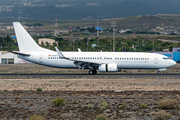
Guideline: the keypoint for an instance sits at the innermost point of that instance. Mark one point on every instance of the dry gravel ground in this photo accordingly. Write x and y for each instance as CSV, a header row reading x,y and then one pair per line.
x,y
20,100
86,84
34,68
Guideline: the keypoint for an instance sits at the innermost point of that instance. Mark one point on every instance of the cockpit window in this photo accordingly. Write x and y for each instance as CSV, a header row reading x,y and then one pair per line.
x,y
165,58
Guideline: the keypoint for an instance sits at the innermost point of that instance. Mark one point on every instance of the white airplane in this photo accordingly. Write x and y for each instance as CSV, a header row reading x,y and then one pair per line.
x,y
101,61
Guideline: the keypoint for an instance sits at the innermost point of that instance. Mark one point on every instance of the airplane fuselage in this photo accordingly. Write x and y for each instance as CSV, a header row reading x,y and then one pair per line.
x,y
124,60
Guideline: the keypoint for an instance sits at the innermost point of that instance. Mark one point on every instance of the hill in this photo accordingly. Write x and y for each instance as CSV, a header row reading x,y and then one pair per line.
x,y
78,9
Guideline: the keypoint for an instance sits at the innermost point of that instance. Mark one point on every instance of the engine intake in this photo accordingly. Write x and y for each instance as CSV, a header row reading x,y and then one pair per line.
x,y
108,68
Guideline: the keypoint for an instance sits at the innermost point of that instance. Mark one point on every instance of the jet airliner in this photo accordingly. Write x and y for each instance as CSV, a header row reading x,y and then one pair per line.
x,y
102,61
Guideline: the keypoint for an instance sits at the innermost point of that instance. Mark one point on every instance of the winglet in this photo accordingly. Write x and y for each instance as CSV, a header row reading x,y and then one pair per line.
x,y
79,50
60,54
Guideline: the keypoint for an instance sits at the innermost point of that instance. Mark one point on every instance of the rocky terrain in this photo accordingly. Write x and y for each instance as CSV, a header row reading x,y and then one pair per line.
x,y
121,104
126,98
19,98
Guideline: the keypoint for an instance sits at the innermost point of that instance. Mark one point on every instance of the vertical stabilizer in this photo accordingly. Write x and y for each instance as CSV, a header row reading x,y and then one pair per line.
x,y
25,42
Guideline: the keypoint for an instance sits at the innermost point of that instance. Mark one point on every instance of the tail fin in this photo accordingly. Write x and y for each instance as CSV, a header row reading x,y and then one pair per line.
x,y
25,41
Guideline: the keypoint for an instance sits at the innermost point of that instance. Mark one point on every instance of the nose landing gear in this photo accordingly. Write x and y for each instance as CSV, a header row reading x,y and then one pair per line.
x,y
92,71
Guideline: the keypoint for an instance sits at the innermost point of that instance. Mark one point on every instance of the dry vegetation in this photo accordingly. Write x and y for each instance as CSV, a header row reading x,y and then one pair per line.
x,y
168,104
162,115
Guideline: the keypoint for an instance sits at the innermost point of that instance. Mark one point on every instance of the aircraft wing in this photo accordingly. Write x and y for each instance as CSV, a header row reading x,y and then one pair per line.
x,y
80,63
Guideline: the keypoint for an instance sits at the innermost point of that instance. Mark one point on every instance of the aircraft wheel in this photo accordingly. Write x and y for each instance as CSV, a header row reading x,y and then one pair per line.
x,y
158,72
91,72
94,72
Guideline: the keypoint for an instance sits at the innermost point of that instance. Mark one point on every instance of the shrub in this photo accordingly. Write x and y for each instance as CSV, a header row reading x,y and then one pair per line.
x,y
126,115
59,102
103,107
143,105
104,104
101,117
162,115
39,89
123,105
36,117
168,104
90,106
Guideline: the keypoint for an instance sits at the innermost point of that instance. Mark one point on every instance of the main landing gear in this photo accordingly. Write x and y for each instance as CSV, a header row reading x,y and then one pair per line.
x,y
92,72
158,72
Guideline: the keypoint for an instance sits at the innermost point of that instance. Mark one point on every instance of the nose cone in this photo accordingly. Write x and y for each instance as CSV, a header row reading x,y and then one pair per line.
x,y
173,63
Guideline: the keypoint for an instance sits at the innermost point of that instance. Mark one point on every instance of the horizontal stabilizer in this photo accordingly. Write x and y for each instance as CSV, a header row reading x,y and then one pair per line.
x,y
20,53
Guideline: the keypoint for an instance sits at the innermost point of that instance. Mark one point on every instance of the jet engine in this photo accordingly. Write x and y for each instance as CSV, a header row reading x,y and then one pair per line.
x,y
108,68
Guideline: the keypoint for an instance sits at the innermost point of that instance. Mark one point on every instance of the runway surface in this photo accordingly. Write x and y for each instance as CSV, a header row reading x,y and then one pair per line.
x,y
89,76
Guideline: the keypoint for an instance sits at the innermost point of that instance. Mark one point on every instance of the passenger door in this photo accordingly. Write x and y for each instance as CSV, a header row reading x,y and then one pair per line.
x,y
41,58
156,59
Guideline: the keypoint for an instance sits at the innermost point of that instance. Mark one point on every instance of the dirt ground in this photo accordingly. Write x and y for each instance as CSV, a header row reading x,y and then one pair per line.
x,y
34,68
19,98
86,84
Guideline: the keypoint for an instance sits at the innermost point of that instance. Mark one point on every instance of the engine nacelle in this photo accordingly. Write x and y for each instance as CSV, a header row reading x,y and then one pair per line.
x,y
108,68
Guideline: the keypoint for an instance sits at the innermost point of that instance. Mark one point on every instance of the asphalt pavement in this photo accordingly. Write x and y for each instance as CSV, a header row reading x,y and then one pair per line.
x,y
89,76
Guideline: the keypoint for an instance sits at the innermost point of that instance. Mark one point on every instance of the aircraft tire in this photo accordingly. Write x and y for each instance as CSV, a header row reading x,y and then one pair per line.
x,y
158,72
94,72
91,72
